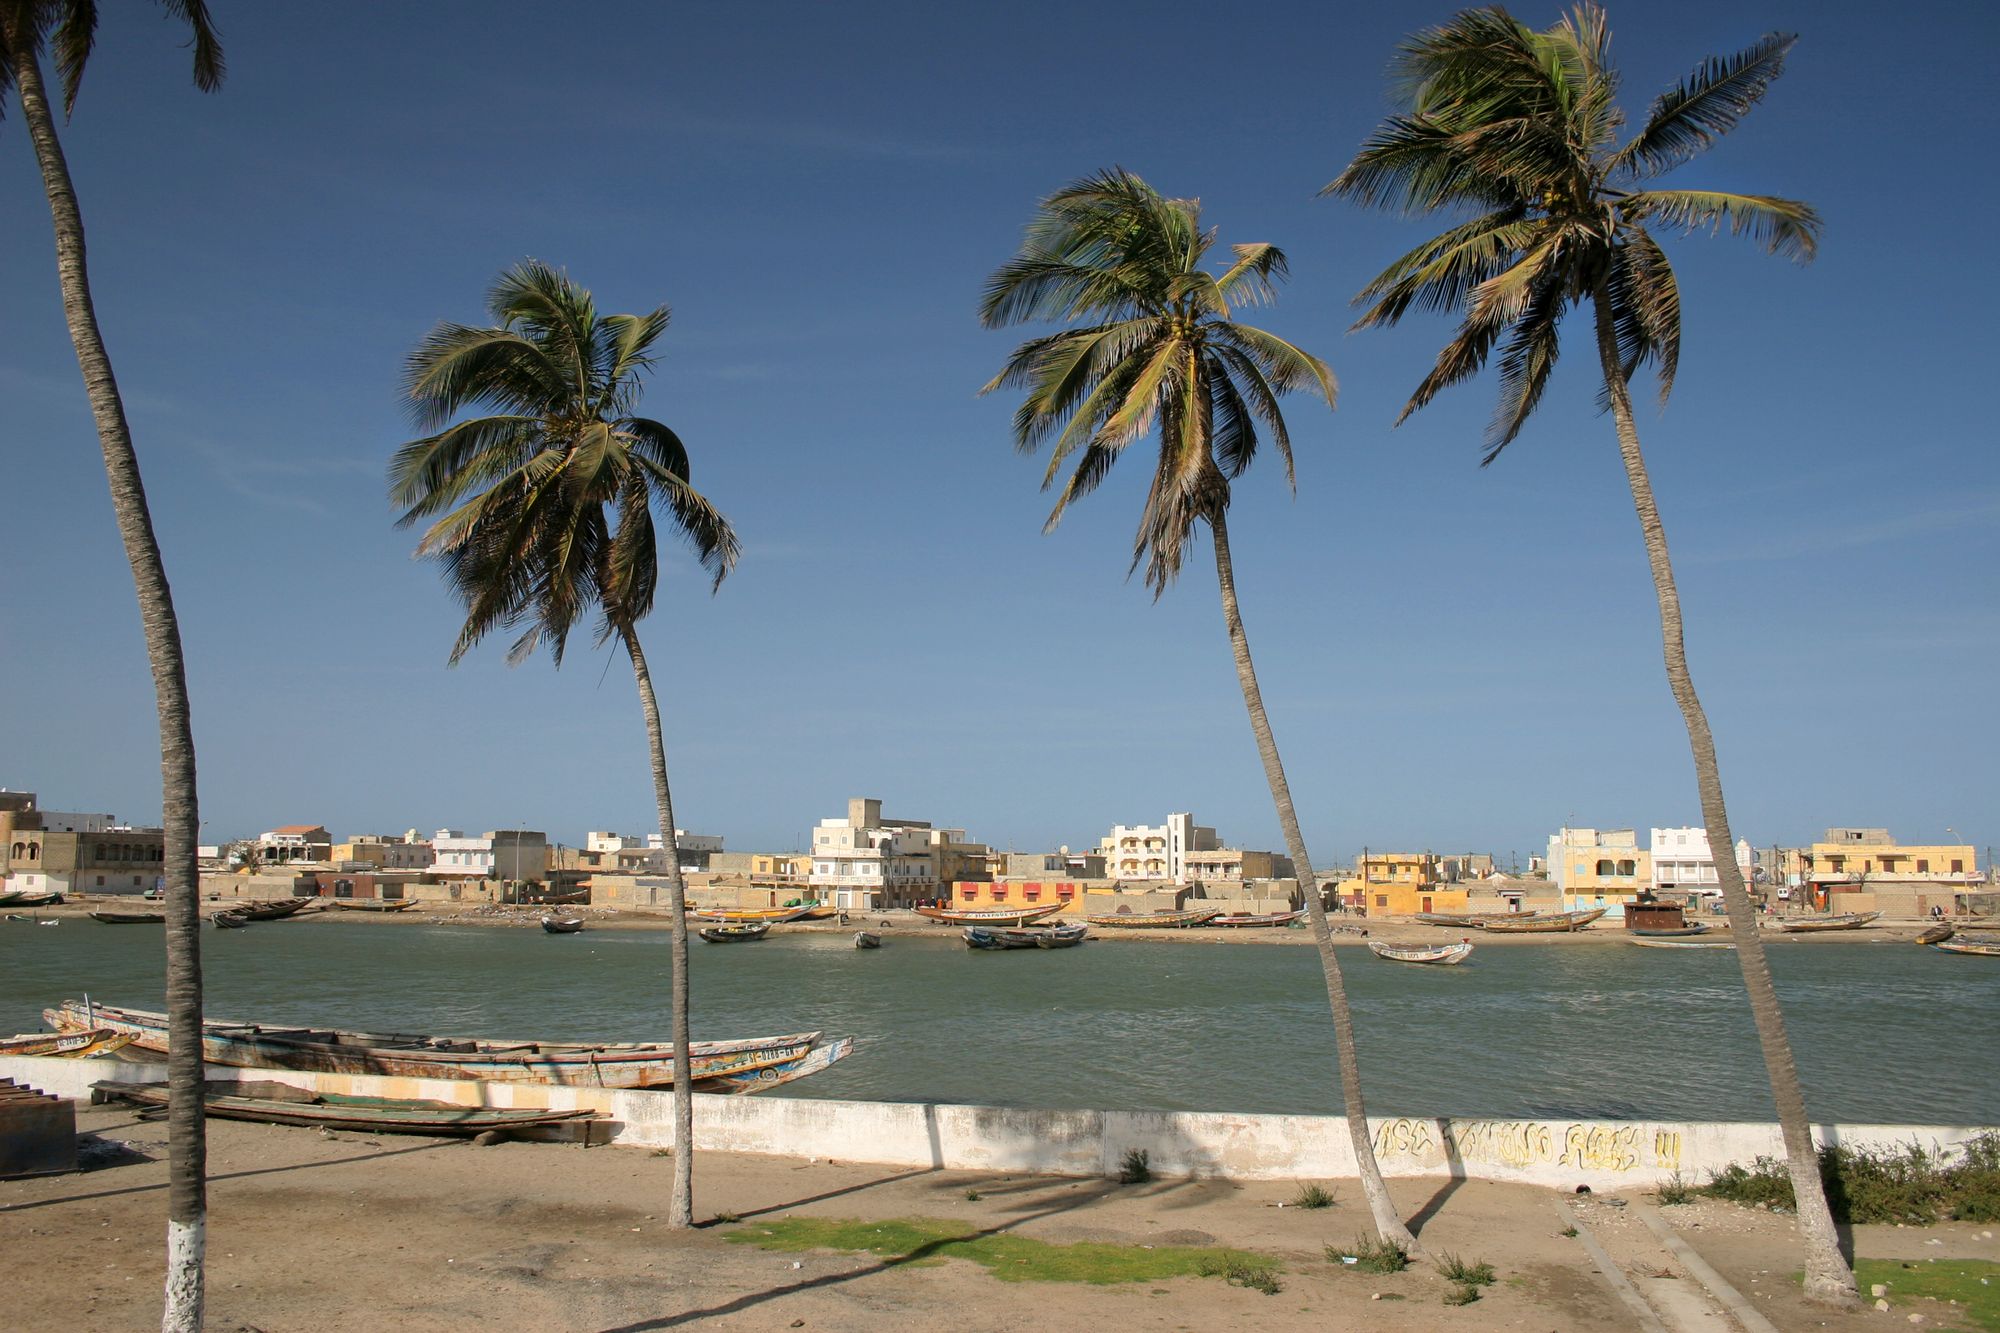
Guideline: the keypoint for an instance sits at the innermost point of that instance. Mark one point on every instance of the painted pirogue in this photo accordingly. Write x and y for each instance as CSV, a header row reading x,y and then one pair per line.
x,y
1846,921
327,1050
1553,922
67,1045
1193,917
991,916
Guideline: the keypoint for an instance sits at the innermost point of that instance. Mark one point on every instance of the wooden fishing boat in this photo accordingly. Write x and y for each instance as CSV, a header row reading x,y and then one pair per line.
x,y
771,1076
1846,921
1058,936
26,899
229,920
735,934
372,904
68,1045
819,912
1646,943
1242,919
129,918
1442,955
1669,932
1196,916
1553,922
1937,934
573,898
1471,920
991,916
865,939
562,925
280,908
988,937
283,1104
1061,937
10,897
751,915
1966,944
331,1050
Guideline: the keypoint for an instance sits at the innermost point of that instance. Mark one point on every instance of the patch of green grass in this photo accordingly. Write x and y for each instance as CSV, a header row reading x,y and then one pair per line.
x,y
1370,1256
1906,1184
918,1240
1463,1294
1237,1273
1457,1270
1135,1168
1313,1195
1973,1283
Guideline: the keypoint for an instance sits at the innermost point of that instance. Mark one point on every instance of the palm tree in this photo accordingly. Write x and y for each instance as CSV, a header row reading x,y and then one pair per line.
x,y
1160,351
27,27
544,510
1521,129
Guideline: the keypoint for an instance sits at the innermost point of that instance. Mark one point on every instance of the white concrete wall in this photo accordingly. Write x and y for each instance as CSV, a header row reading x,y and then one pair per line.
x,y
1557,1153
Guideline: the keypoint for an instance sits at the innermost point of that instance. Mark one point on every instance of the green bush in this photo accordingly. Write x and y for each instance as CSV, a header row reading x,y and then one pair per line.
x,y
1676,1191
1461,1295
1457,1270
1907,1184
1371,1256
1313,1196
1136,1168
1238,1273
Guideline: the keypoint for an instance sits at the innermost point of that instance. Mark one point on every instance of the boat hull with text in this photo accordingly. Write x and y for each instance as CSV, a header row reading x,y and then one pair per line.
x,y
1171,920
990,916
1440,955
1846,921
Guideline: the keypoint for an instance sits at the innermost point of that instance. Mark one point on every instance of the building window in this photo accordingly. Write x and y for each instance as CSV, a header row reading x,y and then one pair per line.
x,y
1923,866
1606,868
1628,868
1381,900
999,893
1958,867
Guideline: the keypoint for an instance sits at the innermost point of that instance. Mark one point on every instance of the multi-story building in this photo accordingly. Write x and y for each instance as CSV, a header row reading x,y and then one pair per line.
x,y
633,854
1604,868
295,842
1210,865
1155,851
1683,863
382,851
1399,884
55,851
1849,858
867,861
503,854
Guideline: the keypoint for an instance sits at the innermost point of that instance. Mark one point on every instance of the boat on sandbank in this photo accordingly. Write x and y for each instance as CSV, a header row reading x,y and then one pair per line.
x,y
990,916
1196,916
1552,923
1845,921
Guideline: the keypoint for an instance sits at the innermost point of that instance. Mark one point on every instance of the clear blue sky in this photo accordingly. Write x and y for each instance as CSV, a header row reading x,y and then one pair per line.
x,y
1453,658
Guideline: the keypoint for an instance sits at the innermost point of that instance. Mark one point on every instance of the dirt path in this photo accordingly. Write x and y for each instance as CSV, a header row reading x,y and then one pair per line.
x,y
324,1233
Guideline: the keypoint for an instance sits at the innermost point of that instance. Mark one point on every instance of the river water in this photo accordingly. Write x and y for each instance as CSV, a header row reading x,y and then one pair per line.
x,y
1884,1032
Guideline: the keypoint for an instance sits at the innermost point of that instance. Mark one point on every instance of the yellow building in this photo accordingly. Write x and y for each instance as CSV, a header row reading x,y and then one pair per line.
x,y
1853,860
1400,884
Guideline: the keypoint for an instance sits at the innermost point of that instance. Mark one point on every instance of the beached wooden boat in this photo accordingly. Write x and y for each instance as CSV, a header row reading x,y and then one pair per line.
x,y
229,920
989,937
372,904
1442,955
562,925
1471,920
1552,923
283,1104
864,939
23,898
1242,919
68,1045
331,1050
278,909
991,916
1967,945
771,1076
1845,921
573,898
1669,932
819,912
751,916
1031,937
129,918
735,934
1061,937
1175,920
1937,934
1646,943
10,897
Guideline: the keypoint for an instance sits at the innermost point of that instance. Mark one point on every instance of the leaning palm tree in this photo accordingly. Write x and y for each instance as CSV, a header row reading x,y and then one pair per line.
x,y
27,28
543,510
1520,128
1156,352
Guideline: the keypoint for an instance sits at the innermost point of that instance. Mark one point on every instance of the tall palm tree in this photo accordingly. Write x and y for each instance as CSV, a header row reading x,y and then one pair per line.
x,y
543,510
27,28
1521,129
1152,349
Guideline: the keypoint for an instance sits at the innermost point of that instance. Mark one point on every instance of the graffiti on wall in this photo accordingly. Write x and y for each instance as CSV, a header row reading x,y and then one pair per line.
x,y
1585,1145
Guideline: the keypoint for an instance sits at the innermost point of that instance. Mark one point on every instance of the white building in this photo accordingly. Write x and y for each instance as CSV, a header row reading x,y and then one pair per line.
x,y
455,856
632,853
865,862
1155,851
1683,863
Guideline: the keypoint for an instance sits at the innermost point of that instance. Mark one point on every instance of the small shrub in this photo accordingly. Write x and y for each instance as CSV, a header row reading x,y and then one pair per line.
x,y
1909,1184
1457,1270
1463,1294
1568,1233
1237,1273
1313,1196
726,1218
1676,1191
972,1196
1135,1168
1371,1256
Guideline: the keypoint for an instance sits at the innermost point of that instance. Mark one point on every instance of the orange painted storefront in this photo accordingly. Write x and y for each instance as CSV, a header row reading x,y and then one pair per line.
x,y
1012,893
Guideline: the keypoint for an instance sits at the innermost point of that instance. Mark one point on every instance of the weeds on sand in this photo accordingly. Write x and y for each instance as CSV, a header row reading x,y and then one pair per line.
x,y
1237,1273
1371,1256
1135,1168
1906,1184
1567,1233
917,1240
1457,1270
1313,1196
972,1196
1676,1191
1463,1294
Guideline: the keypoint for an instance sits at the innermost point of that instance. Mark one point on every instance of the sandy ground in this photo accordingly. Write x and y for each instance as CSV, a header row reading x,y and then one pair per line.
x,y
316,1232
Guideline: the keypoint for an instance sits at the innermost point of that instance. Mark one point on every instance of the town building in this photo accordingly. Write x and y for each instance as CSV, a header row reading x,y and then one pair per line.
x,y
1212,865
868,861
1867,870
502,854
55,851
632,853
294,842
1683,863
1399,884
1594,868
1155,851
382,851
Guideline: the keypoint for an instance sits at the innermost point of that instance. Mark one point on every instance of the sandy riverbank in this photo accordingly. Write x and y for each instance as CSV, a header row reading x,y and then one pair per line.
x,y
316,1232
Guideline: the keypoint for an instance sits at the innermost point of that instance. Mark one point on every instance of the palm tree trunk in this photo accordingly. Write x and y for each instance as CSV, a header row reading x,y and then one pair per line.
x,y
1387,1224
187,1148
1828,1278
680,1209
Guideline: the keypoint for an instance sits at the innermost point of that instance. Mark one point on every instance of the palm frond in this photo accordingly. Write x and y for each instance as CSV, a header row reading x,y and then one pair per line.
x,y
1783,227
1525,363
1441,273
1704,106
1646,311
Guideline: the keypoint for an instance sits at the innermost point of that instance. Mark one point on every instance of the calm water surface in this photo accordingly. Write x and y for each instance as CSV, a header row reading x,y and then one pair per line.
x,y
1883,1032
